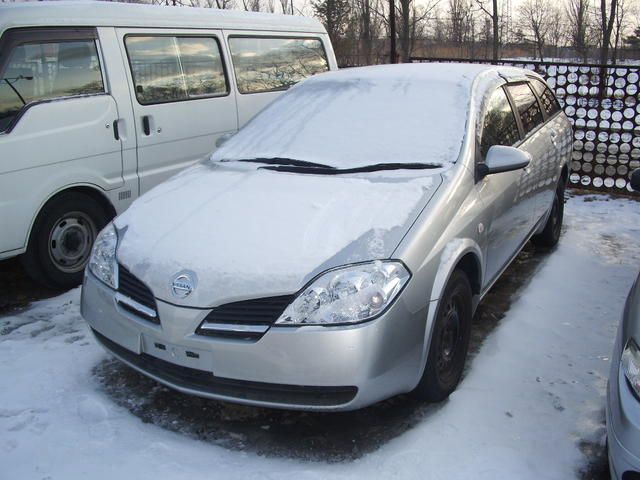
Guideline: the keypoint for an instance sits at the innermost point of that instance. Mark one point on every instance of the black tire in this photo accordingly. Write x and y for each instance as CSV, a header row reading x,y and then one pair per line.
x,y
551,234
61,239
449,341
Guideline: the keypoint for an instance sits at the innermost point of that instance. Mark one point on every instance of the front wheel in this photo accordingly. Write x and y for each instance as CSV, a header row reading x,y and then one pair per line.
x,y
551,234
449,341
62,238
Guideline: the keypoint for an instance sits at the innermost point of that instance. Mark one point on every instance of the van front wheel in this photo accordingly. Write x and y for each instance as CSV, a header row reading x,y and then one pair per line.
x,y
61,240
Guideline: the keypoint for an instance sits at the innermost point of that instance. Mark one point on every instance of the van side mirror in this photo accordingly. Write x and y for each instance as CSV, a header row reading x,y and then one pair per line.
x,y
635,179
224,138
502,159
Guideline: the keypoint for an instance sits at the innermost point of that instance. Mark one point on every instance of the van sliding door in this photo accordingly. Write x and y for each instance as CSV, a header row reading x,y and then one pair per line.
x,y
181,98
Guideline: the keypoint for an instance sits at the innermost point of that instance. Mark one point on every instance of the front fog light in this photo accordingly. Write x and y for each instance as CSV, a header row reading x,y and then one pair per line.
x,y
103,262
631,365
347,295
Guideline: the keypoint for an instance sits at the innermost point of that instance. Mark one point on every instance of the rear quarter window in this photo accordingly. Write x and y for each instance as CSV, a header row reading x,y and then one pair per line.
x,y
265,64
526,105
549,101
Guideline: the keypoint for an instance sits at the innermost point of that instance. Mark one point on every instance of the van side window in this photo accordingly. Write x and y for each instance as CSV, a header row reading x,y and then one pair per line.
x,y
526,105
170,69
44,71
265,64
549,101
499,125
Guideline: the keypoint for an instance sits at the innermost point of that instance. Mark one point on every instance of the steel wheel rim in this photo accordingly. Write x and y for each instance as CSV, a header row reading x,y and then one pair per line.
x,y
70,241
450,337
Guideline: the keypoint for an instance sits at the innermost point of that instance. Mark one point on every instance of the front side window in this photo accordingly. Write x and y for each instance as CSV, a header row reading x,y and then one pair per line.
x,y
549,102
499,126
264,64
526,105
43,71
170,69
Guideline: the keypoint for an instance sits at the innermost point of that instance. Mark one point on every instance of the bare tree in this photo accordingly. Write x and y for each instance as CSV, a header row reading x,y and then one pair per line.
x,y
577,12
460,21
411,20
495,23
607,21
535,18
335,15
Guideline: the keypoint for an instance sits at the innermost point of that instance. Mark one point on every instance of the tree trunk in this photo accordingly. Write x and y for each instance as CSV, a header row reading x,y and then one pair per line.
x,y
496,36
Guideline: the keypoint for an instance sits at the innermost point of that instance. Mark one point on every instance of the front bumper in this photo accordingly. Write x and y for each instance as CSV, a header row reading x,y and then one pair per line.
x,y
310,367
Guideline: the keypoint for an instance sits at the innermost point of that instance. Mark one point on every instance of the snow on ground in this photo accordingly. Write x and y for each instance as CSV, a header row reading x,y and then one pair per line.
x,y
532,397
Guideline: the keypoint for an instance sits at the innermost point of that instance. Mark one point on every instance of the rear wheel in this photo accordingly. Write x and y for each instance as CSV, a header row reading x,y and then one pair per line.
x,y
61,239
551,234
449,341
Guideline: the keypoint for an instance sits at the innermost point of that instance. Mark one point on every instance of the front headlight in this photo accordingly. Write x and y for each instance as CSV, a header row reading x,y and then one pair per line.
x,y
103,262
631,365
347,295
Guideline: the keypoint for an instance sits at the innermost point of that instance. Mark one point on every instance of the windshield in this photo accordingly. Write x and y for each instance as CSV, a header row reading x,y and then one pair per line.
x,y
359,118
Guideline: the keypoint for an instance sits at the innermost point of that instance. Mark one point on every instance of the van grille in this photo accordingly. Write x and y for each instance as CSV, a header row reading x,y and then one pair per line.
x,y
244,320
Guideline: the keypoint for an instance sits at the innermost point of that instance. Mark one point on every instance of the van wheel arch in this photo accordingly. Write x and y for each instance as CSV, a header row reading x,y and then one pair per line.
x,y
62,234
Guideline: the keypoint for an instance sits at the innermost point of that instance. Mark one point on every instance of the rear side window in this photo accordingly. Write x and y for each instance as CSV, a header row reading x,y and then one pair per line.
x,y
171,69
549,102
526,105
499,124
43,71
264,64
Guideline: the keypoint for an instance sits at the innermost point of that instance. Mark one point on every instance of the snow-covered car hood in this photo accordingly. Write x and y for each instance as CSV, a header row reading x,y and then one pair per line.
x,y
247,232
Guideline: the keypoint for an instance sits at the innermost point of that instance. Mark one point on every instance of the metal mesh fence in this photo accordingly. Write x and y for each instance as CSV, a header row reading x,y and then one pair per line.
x,y
603,104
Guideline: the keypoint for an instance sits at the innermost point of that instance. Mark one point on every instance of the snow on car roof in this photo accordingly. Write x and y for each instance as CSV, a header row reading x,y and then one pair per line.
x,y
413,113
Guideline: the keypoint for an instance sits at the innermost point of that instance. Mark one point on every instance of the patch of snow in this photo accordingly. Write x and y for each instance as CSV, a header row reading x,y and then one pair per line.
x,y
363,116
533,393
247,231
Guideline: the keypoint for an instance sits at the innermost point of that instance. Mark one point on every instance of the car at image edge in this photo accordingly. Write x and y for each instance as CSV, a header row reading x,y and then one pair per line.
x,y
623,387
332,253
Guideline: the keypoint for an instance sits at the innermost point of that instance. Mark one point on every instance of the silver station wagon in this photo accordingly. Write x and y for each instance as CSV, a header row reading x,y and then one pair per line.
x,y
332,253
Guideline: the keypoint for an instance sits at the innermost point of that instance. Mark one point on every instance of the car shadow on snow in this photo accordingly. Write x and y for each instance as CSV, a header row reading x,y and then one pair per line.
x,y
327,437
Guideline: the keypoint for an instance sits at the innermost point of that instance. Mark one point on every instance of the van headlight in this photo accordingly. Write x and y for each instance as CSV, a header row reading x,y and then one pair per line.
x,y
347,295
102,262
631,365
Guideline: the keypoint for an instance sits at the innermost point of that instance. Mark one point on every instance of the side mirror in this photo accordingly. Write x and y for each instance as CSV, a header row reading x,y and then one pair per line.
x,y
635,179
502,159
224,138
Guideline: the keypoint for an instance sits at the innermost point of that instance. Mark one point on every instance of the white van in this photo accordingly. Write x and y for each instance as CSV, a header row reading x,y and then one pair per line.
x,y
99,102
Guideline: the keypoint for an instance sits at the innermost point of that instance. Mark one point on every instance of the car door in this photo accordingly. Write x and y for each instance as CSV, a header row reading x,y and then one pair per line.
x,y
181,98
503,194
559,137
536,142
56,123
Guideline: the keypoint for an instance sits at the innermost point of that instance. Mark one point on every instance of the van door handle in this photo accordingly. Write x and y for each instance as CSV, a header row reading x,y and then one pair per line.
x,y
116,132
146,125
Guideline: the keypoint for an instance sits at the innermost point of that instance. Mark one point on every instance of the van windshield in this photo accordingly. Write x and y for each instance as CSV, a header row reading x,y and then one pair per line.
x,y
360,118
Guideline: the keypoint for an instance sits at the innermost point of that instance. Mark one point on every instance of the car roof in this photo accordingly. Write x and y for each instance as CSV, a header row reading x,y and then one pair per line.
x,y
460,73
103,14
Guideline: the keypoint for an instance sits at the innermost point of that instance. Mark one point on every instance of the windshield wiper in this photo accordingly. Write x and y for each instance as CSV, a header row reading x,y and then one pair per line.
x,y
286,162
342,171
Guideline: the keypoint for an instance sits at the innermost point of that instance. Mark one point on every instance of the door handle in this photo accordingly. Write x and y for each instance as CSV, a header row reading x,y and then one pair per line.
x,y
116,132
146,125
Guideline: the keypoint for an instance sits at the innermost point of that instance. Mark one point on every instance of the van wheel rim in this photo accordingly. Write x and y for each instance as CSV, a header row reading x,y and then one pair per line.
x,y
70,241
